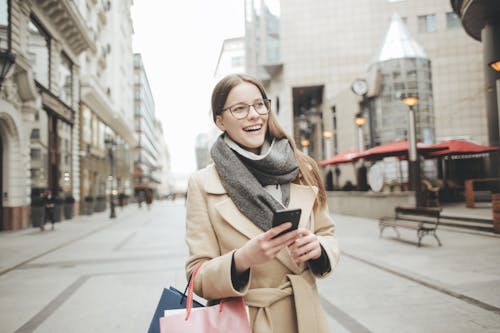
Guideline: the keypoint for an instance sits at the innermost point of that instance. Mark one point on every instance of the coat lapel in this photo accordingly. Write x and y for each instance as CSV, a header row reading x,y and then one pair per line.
x,y
301,196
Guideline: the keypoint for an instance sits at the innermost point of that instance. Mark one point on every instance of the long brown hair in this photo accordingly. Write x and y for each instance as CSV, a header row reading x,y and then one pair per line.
x,y
309,172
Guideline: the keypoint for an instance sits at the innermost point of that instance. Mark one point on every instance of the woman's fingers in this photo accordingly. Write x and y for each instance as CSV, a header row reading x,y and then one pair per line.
x,y
272,234
305,247
307,252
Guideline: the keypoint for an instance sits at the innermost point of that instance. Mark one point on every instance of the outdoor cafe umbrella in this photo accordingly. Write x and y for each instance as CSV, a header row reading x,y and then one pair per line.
x,y
345,157
460,149
395,148
457,150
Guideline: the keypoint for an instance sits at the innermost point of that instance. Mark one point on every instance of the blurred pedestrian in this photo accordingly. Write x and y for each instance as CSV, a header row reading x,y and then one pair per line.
x,y
257,171
140,198
50,204
149,198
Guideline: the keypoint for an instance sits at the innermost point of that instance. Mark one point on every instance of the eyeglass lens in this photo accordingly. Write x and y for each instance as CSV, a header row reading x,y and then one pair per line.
x,y
241,110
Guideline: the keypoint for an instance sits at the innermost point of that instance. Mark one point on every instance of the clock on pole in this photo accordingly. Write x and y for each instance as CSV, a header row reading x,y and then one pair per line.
x,y
360,87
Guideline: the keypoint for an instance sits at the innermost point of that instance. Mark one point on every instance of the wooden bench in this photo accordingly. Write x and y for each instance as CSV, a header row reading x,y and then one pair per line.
x,y
424,220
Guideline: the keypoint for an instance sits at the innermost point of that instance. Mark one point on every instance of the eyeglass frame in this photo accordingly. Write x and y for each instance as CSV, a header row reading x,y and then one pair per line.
x,y
267,103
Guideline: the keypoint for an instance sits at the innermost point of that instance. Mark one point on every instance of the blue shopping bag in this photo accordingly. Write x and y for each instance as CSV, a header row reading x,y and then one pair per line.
x,y
170,299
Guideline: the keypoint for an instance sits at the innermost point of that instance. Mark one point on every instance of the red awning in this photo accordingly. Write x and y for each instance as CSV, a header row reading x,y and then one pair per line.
x,y
345,157
459,148
399,148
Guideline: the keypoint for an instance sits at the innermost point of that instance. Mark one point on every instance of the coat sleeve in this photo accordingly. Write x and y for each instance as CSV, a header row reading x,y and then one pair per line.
x,y
214,278
325,230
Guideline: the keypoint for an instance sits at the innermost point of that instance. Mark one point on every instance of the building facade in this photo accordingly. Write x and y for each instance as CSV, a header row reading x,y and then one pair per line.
x,y
39,104
106,108
326,45
61,100
147,150
164,171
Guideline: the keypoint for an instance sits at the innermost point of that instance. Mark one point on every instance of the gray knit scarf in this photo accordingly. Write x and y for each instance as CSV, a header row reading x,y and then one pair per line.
x,y
244,179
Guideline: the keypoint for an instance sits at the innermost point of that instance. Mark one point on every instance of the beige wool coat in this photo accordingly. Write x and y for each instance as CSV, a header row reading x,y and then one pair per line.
x,y
282,296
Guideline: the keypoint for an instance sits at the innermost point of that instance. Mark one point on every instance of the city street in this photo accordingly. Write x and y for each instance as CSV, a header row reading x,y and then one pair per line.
x,y
94,274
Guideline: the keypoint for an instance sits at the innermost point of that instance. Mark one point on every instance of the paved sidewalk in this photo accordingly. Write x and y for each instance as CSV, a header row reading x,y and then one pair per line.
x,y
466,269
467,266
18,247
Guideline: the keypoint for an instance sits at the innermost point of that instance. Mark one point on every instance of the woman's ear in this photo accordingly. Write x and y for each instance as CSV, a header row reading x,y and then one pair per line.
x,y
220,123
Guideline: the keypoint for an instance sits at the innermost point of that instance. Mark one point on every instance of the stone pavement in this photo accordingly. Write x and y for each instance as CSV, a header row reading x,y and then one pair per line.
x,y
377,285
380,282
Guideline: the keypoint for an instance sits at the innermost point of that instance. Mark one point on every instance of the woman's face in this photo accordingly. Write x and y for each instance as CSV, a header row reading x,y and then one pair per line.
x,y
249,132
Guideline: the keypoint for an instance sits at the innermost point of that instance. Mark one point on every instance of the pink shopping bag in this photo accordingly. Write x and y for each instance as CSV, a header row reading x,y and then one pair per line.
x,y
228,316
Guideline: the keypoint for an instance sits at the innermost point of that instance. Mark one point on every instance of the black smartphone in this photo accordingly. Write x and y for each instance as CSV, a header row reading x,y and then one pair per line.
x,y
287,215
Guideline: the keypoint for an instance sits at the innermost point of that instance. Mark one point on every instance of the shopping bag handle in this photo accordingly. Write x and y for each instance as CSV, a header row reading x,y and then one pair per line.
x,y
190,288
187,285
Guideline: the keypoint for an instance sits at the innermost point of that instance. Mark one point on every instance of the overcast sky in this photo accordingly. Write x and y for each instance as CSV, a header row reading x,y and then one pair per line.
x,y
180,42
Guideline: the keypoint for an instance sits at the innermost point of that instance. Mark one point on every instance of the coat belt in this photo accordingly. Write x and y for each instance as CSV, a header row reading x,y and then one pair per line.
x,y
301,286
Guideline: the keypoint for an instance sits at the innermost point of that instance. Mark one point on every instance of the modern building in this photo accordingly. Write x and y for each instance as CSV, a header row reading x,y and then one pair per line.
x,y
202,153
164,171
147,151
481,21
231,60
326,45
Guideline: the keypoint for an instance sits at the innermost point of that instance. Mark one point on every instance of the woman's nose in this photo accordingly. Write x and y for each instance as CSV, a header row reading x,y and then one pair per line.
x,y
252,113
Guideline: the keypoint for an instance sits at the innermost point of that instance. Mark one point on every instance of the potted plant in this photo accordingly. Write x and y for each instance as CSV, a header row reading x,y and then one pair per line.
x,y
58,209
69,201
89,205
100,204
37,211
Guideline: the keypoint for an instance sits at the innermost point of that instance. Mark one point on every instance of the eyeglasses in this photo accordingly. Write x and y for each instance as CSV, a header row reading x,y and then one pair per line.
x,y
241,110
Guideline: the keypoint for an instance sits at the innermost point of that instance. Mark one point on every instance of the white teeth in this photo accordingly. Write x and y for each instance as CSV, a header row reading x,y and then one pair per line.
x,y
253,128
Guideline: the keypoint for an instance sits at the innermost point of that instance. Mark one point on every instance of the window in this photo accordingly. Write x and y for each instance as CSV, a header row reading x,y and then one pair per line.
x,y
4,23
35,154
64,132
38,52
237,61
427,23
35,134
452,21
65,80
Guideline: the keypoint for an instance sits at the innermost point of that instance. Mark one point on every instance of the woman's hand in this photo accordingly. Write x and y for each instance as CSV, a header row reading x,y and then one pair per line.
x,y
305,247
263,248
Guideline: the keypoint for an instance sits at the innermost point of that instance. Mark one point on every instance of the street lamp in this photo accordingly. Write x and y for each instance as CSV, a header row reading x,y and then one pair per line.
x,y
360,120
495,65
305,145
110,146
413,161
328,135
7,59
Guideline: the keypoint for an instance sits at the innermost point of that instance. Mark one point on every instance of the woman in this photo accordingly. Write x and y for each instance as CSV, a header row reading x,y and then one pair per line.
x,y
258,170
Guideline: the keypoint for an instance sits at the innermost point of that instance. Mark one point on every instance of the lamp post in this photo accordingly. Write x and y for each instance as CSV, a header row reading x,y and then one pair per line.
x,y
304,133
413,161
110,146
328,135
360,120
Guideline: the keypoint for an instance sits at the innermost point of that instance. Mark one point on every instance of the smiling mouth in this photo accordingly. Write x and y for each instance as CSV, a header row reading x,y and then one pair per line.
x,y
253,128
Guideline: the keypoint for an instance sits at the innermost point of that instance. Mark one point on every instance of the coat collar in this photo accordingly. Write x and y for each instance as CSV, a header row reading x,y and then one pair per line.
x,y
213,183
301,196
